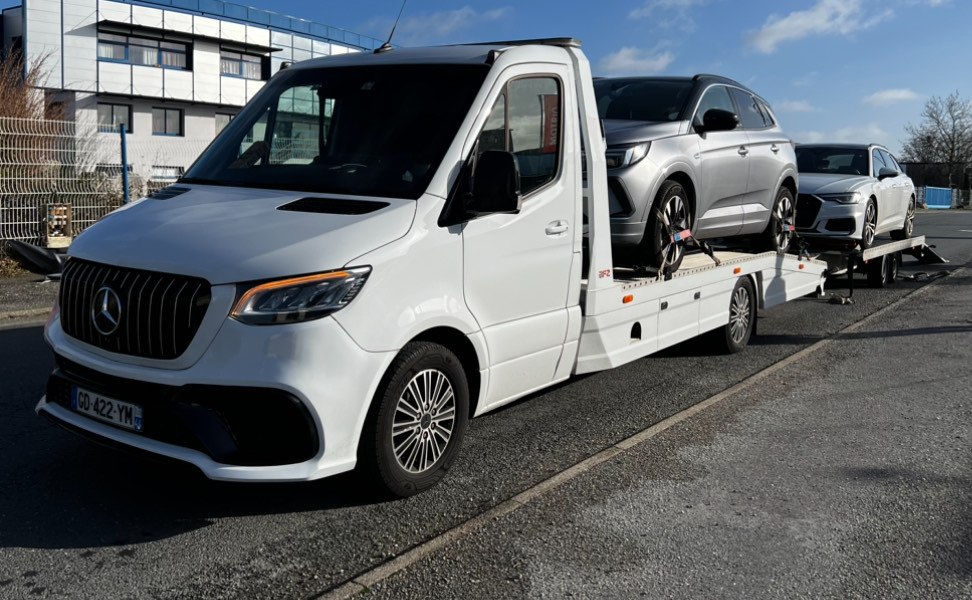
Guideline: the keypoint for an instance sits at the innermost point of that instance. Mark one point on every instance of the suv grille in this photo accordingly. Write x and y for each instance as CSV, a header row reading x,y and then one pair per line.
x,y
129,311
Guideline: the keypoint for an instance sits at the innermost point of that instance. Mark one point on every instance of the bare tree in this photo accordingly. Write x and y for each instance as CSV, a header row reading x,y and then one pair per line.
x,y
944,136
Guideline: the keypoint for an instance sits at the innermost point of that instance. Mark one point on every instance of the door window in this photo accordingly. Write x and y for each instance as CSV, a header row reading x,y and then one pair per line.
x,y
750,116
525,121
888,161
877,163
716,96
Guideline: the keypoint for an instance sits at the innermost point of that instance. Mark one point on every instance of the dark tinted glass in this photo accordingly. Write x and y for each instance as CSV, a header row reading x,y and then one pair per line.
x,y
750,116
377,131
824,159
655,100
878,162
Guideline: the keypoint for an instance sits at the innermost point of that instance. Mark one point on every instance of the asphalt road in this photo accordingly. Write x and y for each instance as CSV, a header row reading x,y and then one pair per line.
x,y
798,486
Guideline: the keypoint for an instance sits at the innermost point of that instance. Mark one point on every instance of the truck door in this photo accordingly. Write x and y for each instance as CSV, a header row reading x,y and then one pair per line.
x,y
517,266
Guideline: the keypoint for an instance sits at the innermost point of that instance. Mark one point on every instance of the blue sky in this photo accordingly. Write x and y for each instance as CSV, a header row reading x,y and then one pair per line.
x,y
834,70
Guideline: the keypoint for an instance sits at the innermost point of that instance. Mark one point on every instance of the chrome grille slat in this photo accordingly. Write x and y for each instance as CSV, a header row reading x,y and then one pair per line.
x,y
159,315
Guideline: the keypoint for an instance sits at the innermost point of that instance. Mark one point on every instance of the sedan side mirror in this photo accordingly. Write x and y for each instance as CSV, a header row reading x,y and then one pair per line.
x,y
496,185
886,172
716,119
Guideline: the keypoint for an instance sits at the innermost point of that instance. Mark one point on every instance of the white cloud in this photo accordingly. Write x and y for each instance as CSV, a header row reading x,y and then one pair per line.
x,y
677,13
853,135
794,106
436,28
885,97
826,17
635,61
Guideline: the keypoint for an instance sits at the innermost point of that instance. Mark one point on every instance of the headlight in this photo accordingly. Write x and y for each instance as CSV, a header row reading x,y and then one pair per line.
x,y
852,198
299,298
618,157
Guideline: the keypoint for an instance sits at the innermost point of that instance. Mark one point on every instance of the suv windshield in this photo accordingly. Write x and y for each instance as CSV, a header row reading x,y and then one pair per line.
x,y
375,131
656,100
822,159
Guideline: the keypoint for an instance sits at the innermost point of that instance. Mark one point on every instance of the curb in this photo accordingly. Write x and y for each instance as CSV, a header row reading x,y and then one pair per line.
x,y
31,313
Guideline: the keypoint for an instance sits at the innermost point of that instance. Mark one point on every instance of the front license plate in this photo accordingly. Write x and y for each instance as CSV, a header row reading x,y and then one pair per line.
x,y
123,414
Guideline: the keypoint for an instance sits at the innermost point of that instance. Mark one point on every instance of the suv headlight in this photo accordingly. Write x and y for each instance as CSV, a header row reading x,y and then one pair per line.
x,y
851,198
625,156
298,298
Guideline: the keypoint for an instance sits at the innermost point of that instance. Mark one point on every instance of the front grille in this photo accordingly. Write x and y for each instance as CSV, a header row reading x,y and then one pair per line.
x,y
149,314
807,208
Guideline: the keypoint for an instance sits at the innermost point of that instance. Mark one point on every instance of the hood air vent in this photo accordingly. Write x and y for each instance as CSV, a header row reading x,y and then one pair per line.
x,y
332,206
168,192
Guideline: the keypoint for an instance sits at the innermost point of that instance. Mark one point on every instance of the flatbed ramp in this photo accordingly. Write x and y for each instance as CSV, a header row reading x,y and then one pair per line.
x,y
638,316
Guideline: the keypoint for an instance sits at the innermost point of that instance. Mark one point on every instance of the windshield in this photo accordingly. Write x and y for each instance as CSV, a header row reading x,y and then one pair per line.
x,y
823,159
374,131
656,100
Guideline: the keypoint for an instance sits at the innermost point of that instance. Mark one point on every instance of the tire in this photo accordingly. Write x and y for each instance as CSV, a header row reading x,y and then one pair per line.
x,y
878,271
416,422
670,214
869,231
908,228
774,238
892,274
735,335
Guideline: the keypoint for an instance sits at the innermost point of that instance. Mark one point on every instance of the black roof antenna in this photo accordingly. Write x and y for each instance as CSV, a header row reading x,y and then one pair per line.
x,y
386,47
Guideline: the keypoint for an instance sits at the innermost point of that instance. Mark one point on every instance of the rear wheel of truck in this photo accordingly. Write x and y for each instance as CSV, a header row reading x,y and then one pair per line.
x,y
735,335
670,215
416,422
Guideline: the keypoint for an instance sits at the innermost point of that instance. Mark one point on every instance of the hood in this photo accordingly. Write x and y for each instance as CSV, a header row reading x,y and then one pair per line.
x,y
228,235
831,183
620,132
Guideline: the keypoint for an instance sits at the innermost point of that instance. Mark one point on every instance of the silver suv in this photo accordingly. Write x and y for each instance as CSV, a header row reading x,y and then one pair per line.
x,y
699,153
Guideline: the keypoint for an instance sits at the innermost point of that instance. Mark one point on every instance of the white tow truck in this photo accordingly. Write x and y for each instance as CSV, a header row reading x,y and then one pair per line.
x,y
377,248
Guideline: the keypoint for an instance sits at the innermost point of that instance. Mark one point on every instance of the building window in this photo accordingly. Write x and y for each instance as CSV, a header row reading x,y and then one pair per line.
x,y
142,51
112,116
167,121
235,64
222,120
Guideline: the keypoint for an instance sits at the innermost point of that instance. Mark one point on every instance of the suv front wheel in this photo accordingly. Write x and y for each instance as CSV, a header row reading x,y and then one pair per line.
x,y
670,215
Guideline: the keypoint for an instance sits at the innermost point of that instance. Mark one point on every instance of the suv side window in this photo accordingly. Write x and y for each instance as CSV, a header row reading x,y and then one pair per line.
x,y
877,163
525,120
750,116
767,113
717,96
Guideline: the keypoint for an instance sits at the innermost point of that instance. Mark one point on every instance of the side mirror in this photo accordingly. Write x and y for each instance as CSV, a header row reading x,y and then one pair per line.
x,y
886,172
716,119
496,185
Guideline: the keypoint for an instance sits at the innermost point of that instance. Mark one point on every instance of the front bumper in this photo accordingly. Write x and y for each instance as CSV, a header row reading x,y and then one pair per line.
x,y
816,217
274,403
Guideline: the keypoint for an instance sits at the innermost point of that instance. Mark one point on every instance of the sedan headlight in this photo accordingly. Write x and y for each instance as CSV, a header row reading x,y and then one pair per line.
x,y
851,198
625,156
299,298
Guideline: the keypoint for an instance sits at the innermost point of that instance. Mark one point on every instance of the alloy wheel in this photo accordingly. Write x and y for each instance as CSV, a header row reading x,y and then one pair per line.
x,y
425,417
786,218
739,314
870,224
674,220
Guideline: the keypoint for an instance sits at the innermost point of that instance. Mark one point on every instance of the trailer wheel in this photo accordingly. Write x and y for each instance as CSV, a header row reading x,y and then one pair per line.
x,y
782,223
670,214
909,223
893,268
416,422
878,271
869,231
742,318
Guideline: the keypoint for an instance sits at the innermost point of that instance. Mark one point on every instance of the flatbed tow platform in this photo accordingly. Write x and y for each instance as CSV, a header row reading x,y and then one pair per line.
x,y
879,262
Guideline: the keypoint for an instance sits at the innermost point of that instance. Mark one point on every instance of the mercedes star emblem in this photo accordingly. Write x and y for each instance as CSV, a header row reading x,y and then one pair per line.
x,y
106,311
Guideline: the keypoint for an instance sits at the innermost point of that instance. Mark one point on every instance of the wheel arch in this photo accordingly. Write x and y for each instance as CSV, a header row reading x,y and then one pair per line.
x,y
790,184
465,351
684,180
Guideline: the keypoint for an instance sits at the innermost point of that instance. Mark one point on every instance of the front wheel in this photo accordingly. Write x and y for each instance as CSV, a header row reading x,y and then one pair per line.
x,y
782,223
908,227
417,420
869,232
670,215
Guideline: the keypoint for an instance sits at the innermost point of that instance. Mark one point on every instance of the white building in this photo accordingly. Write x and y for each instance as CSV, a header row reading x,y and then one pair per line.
x,y
174,72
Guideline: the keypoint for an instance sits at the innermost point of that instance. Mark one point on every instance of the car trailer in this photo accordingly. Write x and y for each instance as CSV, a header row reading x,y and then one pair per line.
x,y
880,262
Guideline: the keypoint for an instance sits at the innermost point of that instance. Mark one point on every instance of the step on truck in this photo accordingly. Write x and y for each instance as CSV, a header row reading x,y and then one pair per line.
x,y
377,248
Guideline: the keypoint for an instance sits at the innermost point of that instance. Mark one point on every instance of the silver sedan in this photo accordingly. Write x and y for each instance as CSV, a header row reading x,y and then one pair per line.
x,y
853,192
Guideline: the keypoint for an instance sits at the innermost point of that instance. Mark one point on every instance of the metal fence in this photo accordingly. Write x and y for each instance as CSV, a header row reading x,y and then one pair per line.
x,y
59,177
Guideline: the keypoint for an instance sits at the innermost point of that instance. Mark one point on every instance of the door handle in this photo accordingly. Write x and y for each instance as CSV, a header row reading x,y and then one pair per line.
x,y
775,148
557,227
743,151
